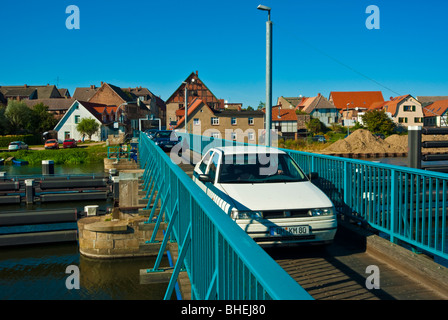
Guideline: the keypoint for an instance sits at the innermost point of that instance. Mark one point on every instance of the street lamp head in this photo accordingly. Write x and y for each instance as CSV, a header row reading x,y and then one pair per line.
x,y
265,8
262,7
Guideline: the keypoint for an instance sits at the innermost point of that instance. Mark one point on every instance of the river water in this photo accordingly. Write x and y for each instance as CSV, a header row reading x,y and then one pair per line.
x,y
38,272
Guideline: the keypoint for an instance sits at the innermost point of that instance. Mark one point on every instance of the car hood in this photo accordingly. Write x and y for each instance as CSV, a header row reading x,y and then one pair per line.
x,y
276,196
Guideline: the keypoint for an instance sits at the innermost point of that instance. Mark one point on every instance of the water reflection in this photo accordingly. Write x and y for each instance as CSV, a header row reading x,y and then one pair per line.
x,y
38,273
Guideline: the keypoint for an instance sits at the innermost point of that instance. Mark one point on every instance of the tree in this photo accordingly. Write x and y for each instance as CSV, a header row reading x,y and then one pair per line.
x,y
18,115
261,105
88,126
42,120
377,121
315,126
4,123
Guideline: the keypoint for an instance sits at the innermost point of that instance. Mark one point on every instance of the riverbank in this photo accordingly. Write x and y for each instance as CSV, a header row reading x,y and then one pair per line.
x,y
84,154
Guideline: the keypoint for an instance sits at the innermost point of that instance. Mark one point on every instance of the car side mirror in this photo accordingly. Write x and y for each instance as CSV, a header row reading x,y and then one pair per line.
x,y
314,175
205,178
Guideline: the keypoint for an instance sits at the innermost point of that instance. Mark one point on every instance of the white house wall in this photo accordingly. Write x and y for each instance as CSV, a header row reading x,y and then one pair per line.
x,y
67,123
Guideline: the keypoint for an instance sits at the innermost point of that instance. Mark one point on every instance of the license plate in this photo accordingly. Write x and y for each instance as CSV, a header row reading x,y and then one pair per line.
x,y
287,231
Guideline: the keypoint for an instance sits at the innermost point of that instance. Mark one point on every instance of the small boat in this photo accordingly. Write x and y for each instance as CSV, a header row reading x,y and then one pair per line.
x,y
19,162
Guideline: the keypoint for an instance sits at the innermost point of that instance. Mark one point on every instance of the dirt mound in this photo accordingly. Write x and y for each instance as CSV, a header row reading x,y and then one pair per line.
x,y
361,141
398,143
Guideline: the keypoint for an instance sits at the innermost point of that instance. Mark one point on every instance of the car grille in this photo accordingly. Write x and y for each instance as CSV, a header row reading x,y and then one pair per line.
x,y
285,213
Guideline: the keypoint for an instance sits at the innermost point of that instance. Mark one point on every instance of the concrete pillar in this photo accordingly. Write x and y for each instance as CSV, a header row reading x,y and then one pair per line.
x,y
128,188
29,191
47,167
116,188
415,147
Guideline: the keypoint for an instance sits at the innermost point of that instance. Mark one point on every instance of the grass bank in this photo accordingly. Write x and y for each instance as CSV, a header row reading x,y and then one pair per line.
x,y
91,154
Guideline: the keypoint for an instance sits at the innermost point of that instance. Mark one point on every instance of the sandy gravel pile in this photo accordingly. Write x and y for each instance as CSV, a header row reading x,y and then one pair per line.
x,y
362,141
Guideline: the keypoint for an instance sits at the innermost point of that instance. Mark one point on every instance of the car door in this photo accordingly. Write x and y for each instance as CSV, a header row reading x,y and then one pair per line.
x,y
201,168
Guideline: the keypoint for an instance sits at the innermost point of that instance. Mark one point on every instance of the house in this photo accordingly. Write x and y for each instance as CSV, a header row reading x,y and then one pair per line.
x,y
27,92
350,103
236,125
427,100
289,102
85,93
132,109
436,114
195,89
405,110
155,104
57,107
103,114
320,108
284,121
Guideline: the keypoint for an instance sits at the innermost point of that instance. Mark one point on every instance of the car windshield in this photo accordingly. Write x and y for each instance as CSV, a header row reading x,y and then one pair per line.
x,y
51,141
14,144
256,168
163,134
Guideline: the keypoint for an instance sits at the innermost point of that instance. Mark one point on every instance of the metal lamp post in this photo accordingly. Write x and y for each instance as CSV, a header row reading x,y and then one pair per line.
x,y
268,123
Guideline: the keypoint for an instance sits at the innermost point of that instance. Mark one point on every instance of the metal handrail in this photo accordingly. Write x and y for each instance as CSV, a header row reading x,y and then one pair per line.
x,y
221,260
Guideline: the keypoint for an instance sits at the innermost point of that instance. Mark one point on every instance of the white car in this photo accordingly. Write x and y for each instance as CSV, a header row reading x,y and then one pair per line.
x,y
17,145
267,194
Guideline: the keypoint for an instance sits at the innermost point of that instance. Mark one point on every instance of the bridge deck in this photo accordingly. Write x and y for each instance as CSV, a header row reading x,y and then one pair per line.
x,y
338,272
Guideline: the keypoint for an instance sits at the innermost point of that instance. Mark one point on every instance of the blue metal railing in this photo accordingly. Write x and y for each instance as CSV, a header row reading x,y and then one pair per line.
x,y
410,205
221,260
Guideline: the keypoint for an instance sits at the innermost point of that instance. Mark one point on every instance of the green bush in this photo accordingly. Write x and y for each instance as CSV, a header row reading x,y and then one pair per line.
x,y
28,139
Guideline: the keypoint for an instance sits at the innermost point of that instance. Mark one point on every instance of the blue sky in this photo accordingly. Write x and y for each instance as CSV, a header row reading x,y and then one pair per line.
x,y
318,46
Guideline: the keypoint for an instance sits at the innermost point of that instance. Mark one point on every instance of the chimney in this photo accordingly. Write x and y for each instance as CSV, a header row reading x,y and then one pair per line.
x,y
26,86
101,82
196,72
391,98
92,86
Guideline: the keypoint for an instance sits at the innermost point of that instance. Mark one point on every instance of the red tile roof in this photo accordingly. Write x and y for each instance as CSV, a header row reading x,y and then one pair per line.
x,y
191,108
438,108
360,99
282,114
391,105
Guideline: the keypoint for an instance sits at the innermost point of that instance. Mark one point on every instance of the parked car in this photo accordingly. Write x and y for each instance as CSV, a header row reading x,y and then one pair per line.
x,y
51,144
319,138
69,143
17,145
267,194
151,132
166,139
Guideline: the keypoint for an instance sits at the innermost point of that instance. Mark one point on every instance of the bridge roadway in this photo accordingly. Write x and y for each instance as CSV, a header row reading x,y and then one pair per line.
x,y
338,271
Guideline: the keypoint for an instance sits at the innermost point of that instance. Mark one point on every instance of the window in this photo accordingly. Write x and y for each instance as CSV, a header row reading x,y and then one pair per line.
x,y
251,121
251,136
204,163
418,120
408,108
196,121
213,166
402,120
77,119
215,121
233,121
233,136
216,135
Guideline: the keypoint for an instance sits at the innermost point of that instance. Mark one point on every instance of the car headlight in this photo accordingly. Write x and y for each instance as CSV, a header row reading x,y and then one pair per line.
x,y
246,214
321,212
157,143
